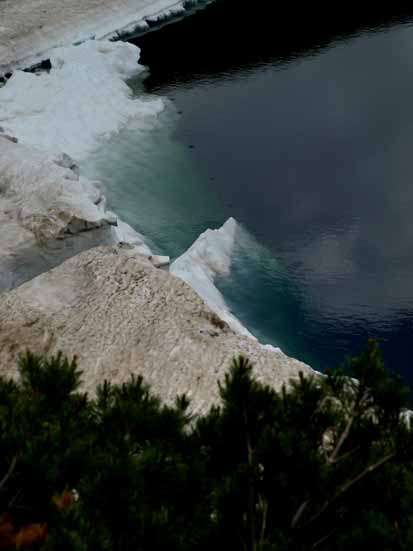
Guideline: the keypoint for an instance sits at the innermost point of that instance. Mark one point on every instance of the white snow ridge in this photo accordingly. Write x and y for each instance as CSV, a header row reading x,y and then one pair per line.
x,y
209,257
81,101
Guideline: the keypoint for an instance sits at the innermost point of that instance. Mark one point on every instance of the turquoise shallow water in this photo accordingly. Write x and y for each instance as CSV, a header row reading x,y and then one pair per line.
x,y
152,184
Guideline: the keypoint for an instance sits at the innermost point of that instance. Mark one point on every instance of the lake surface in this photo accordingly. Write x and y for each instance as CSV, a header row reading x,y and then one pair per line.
x,y
300,125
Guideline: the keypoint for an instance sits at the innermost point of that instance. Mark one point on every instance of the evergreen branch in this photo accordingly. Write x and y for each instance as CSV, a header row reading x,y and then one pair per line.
x,y
264,507
366,471
323,539
9,472
299,513
346,455
344,435
349,485
355,412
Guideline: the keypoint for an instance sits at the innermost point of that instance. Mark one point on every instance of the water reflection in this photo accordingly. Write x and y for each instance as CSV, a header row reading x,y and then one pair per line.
x,y
302,123
232,35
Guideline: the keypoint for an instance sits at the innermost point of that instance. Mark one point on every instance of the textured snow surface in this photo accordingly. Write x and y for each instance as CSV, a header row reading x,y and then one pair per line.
x,y
120,316
209,257
49,212
81,101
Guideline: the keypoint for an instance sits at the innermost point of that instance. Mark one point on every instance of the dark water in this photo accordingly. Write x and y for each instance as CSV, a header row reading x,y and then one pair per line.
x,y
301,123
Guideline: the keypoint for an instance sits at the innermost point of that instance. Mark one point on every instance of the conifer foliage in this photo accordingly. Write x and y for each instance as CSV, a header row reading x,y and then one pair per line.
x,y
325,464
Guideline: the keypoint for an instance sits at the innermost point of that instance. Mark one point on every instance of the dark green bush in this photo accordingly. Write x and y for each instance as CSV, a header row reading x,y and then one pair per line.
x,y
325,464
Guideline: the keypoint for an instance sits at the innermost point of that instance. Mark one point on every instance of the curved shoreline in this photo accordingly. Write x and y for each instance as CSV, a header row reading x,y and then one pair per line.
x,y
80,102
44,201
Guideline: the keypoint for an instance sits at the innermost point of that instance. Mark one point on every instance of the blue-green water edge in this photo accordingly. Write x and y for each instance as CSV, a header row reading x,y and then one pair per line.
x,y
312,151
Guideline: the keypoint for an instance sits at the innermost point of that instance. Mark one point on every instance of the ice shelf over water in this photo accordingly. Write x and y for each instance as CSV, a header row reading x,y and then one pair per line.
x,y
209,257
82,100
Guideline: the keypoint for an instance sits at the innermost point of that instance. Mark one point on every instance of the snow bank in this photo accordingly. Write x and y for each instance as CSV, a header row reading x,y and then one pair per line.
x,y
46,193
81,101
50,212
209,257
47,212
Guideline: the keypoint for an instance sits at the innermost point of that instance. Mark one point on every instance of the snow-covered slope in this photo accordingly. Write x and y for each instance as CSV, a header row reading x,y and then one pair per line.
x,y
120,316
49,212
